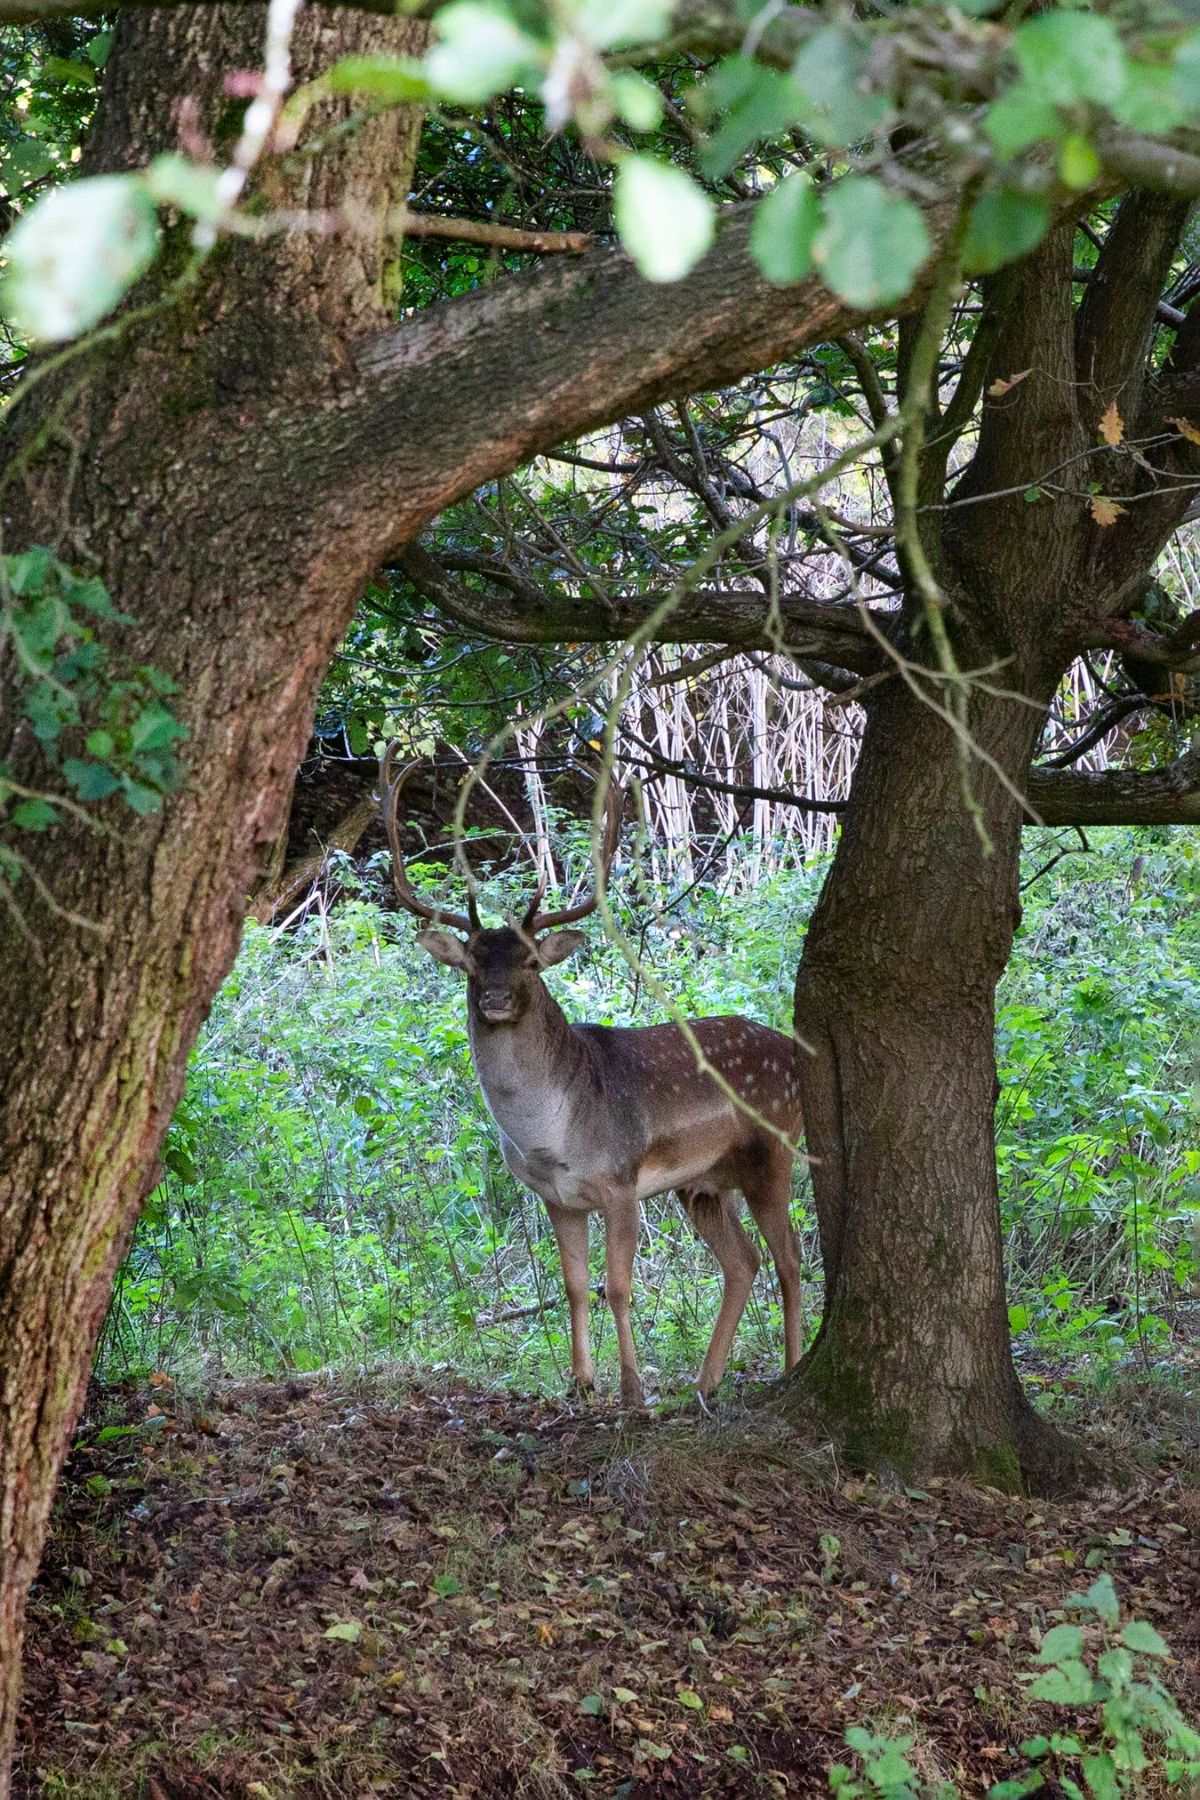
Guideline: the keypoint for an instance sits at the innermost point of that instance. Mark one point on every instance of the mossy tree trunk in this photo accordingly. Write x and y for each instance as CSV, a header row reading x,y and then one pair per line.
x,y
912,1369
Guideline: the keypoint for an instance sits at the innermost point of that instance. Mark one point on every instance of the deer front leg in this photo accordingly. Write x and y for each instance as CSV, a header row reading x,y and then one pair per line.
x,y
571,1235
622,1219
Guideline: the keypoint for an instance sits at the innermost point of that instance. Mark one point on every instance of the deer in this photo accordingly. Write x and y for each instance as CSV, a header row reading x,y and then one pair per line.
x,y
598,1118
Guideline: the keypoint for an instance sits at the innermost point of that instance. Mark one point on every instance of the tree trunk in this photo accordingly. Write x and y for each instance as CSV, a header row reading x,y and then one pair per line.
x,y
912,1370
240,596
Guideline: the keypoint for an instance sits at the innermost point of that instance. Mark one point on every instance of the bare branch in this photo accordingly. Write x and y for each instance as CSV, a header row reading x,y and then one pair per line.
x,y
485,231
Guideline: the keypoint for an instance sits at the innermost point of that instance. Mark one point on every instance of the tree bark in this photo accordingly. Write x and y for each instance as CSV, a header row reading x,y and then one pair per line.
x,y
912,1370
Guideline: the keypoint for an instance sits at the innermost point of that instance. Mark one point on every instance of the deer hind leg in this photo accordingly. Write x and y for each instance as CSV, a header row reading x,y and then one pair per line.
x,y
768,1195
622,1219
715,1218
571,1235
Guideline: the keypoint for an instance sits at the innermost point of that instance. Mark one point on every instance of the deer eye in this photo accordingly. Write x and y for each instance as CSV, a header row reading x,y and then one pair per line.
x,y
531,962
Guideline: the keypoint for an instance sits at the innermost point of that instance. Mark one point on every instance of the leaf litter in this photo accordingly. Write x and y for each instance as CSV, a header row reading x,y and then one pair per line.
x,y
333,1589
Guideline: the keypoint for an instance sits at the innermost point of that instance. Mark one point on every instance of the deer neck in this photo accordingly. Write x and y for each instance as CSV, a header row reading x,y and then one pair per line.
x,y
526,1069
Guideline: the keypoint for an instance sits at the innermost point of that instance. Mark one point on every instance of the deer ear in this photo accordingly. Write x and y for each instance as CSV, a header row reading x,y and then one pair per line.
x,y
558,946
449,950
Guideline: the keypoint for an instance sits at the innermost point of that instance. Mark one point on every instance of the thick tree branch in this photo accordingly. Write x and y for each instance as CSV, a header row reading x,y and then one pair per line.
x,y
1120,303
519,366
1179,650
1169,796
741,619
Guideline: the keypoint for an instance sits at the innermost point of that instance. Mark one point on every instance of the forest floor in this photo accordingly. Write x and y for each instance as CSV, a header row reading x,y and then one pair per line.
x,y
354,1589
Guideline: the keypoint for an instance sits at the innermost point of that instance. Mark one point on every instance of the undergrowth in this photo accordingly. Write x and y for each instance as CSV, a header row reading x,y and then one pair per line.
x,y
333,1190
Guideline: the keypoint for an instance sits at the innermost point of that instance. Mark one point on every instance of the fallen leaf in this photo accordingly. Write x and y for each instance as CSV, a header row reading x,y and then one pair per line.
x,y
1186,429
1112,425
1105,512
347,1631
1001,386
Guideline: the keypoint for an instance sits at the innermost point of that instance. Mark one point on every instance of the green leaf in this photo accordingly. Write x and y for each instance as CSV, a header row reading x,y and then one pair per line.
x,y
26,160
348,1631
75,254
1071,56
68,72
174,180
1062,1641
1068,1684
1102,1598
664,219
1004,225
1100,1774
871,243
690,1698
479,52
143,799
637,100
394,78
34,815
618,24
91,781
101,744
1143,1638
97,49
447,1586
624,1695
830,73
177,1160
1185,75
1116,1666
592,1704
154,729
1078,163
785,224
1020,1318
1150,100
1021,118
751,102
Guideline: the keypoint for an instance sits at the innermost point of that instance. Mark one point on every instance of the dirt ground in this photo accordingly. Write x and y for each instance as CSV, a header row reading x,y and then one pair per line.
x,y
312,1588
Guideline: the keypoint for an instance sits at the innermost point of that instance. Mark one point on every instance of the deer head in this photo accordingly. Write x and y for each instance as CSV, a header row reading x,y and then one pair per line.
x,y
504,965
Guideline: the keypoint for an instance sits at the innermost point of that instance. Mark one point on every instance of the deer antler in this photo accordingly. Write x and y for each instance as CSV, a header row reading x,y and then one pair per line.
x,y
535,921
390,787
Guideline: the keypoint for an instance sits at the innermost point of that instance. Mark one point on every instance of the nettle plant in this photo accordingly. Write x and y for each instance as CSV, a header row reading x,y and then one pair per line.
x,y
101,729
1102,1667
859,124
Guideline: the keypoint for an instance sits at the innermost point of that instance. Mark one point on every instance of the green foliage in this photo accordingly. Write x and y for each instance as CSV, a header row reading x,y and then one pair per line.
x,y
1135,1732
1098,1126
334,1190
982,101
104,728
886,1772
1136,1726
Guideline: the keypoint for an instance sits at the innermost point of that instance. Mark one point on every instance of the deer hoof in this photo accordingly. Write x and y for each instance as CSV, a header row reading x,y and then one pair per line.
x,y
633,1398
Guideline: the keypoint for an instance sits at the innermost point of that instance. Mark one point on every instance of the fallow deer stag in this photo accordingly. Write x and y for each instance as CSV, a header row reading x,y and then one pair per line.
x,y
596,1118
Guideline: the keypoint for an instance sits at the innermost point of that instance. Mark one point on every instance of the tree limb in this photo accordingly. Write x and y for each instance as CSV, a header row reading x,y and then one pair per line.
x,y
1120,302
740,619
1169,796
